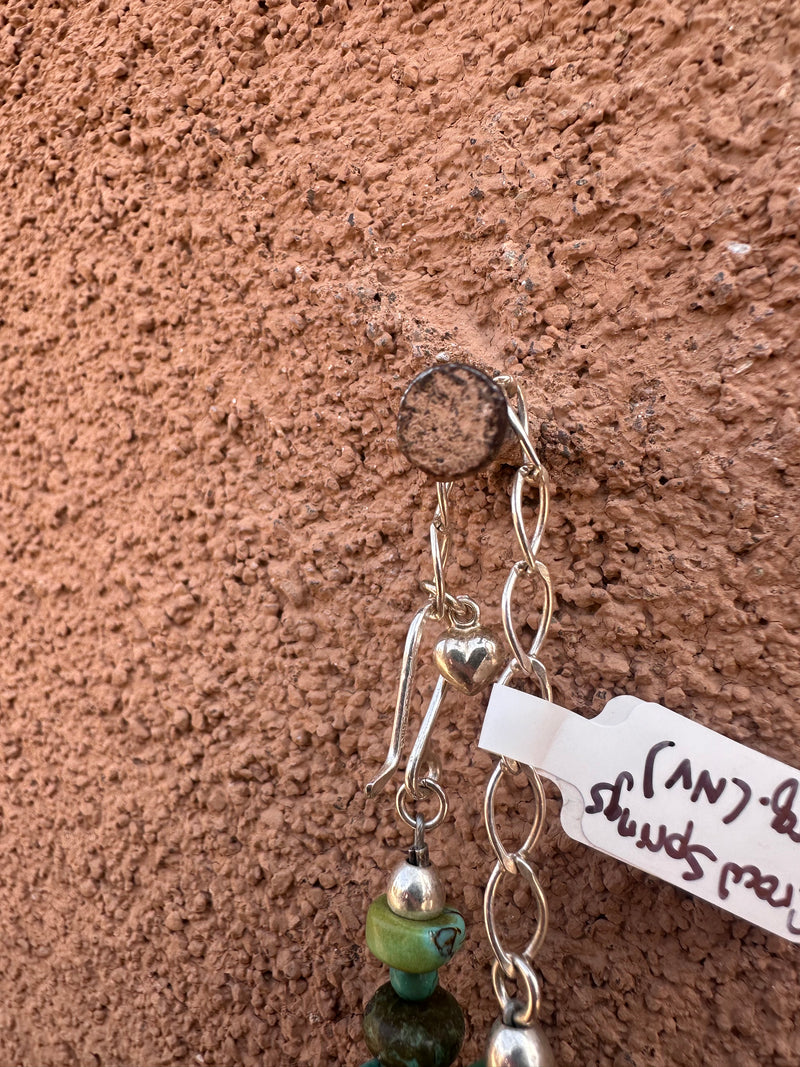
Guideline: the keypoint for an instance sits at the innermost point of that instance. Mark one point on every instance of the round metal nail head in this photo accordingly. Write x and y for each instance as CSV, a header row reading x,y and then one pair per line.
x,y
452,420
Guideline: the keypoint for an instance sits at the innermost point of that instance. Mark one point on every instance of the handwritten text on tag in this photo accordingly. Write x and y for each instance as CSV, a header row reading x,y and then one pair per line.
x,y
668,796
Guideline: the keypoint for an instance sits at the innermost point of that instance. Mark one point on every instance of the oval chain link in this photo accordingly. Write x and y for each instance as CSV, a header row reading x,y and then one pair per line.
x,y
513,965
508,860
440,546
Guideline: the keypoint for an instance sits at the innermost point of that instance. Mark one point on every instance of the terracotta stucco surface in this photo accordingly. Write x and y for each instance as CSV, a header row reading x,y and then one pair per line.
x,y
229,235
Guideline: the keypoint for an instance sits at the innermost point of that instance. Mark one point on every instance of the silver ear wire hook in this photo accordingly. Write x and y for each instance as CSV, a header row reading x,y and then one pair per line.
x,y
400,725
413,781
440,605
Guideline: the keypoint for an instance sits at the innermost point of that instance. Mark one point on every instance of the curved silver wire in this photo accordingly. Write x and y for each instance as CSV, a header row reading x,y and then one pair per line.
x,y
440,546
413,780
400,724
520,427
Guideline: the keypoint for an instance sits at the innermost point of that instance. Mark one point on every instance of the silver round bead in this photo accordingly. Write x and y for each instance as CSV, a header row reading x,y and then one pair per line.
x,y
518,1046
415,892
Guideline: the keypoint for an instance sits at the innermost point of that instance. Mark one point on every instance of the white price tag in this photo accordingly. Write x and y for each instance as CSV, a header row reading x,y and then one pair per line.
x,y
667,795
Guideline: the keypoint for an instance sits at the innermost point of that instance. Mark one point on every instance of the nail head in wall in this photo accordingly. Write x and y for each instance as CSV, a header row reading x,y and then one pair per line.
x,y
452,421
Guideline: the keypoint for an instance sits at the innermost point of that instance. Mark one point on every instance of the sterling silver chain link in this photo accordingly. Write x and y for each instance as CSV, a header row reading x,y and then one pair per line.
x,y
517,966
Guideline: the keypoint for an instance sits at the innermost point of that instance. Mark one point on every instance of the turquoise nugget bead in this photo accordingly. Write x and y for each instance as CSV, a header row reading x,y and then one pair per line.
x,y
416,946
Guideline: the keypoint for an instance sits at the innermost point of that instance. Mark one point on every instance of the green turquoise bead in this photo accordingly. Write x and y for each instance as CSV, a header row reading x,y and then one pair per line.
x,y
413,986
372,1063
413,945
402,1033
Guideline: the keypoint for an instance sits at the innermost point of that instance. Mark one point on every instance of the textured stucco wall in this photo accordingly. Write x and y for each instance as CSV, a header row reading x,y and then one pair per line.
x,y
229,234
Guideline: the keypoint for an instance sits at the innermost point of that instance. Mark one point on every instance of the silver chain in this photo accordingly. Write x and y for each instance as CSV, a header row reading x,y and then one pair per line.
x,y
510,965
421,777
443,604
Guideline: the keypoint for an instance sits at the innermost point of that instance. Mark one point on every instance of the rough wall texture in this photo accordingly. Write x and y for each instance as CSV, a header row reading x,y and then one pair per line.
x,y
230,234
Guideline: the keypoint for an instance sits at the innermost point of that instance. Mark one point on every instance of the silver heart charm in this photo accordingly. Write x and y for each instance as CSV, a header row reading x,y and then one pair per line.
x,y
469,658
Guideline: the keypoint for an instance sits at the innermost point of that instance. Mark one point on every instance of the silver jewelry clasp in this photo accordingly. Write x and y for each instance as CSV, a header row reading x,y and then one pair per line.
x,y
415,784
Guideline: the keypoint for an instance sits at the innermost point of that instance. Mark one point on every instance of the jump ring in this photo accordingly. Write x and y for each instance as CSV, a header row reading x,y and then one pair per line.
x,y
465,614
427,785
524,973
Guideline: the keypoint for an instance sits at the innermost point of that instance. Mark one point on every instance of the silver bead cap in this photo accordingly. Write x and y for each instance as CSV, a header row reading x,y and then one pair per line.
x,y
518,1046
415,892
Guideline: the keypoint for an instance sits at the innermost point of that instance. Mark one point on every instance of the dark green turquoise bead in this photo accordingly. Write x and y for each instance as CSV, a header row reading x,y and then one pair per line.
x,y
372,1063
402,1033
413,986
413,945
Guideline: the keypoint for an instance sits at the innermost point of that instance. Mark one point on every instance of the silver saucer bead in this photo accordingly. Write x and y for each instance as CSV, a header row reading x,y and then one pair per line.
x,y
518,1046
415,892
